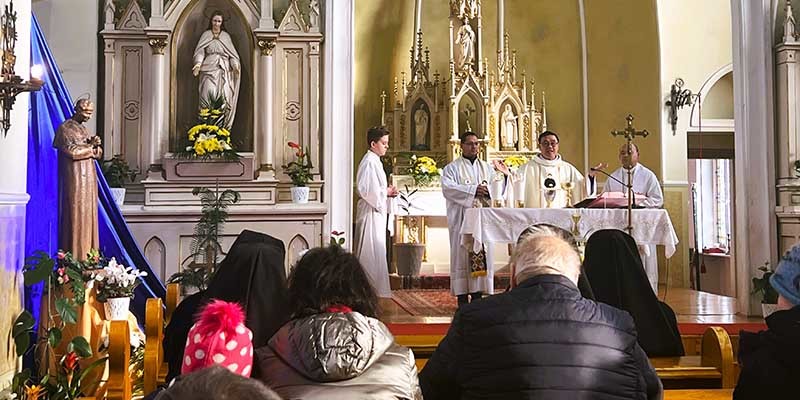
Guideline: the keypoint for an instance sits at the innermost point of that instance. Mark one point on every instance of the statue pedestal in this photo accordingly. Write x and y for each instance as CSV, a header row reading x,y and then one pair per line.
x,y
177,169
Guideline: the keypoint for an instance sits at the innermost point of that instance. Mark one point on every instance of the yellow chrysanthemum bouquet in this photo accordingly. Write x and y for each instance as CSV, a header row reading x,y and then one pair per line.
x,y
513,162
210,137
423,170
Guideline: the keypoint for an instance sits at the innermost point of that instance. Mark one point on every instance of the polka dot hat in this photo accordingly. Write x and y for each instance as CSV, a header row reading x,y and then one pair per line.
x,y
219,337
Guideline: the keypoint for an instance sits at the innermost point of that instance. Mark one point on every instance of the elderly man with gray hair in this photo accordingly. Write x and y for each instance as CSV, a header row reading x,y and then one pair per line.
x,y
541,339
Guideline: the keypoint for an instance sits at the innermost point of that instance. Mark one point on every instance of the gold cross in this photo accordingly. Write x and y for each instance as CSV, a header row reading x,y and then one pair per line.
x,y
629,132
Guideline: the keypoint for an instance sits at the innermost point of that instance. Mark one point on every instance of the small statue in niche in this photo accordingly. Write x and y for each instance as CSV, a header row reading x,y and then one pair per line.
x,y
313,13
218,66
421,120
465,42
510,132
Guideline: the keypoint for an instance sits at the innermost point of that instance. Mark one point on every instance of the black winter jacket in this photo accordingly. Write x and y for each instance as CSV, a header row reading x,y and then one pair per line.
x,y
541,340
770,360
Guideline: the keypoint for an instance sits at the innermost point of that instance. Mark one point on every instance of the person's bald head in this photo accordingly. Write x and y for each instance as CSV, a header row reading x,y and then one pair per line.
x,y
629,155
544,254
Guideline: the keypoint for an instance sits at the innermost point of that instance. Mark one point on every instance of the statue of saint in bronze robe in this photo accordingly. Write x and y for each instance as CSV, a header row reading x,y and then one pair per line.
x,y
77,187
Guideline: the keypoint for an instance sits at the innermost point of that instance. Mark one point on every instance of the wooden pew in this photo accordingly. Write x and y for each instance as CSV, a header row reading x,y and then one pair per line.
x,y
172,299
698,394
119,358
153,348
714,367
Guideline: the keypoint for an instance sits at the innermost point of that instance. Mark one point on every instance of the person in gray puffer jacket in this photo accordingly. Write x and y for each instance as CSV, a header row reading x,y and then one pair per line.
x,y
334,347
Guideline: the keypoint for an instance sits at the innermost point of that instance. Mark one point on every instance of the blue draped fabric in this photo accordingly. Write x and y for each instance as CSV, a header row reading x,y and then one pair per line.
x,y
49,108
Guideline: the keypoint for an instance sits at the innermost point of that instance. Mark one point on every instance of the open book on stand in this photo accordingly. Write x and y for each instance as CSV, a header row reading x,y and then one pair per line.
x,y
610,200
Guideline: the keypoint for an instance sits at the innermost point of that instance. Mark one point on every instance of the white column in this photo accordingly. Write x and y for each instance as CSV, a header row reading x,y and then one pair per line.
x,y
501,11
156,144
109,119
417,22
753,66
338,117
157,13
13,196
266,21
265,133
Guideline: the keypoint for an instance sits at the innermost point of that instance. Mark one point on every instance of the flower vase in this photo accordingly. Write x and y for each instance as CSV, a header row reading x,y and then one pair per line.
x,y
119,195
300,194
116,308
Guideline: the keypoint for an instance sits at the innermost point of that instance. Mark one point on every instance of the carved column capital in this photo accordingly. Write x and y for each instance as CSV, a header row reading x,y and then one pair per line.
x,y
158,45
266,46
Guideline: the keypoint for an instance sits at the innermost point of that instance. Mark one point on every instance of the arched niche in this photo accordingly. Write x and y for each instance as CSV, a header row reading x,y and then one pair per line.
x,y
470,100
156,253
295,247
191,23
716,103
421,123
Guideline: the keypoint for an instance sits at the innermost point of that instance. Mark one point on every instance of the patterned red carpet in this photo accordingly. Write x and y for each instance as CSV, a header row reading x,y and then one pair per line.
x,y
426,302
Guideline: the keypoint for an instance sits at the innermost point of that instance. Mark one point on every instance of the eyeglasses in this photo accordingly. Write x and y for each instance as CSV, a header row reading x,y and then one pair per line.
x,y
548,144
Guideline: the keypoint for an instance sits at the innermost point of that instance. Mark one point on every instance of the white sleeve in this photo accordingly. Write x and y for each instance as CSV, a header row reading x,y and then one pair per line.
x,y
461,194
369,187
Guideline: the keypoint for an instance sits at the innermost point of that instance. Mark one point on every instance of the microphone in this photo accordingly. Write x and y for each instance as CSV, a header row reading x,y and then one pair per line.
x,y
633,194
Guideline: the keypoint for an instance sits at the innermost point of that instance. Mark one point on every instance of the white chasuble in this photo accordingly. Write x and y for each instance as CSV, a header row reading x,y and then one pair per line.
x,y
460,180
646,189
371,217
561,176
647,192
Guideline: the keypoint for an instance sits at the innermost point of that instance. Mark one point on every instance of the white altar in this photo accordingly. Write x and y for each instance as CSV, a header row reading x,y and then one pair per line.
x,y
503,225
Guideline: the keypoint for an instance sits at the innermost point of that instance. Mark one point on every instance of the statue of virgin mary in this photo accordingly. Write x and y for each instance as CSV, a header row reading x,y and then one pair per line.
x,y
218,66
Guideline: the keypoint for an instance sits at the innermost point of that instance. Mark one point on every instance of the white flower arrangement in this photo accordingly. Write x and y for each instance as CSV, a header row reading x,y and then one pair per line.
x,y
116,280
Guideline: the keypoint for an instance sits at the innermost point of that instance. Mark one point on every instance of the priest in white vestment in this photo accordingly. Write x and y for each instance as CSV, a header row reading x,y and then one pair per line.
x,y
374,205
465,184
548,176
647,193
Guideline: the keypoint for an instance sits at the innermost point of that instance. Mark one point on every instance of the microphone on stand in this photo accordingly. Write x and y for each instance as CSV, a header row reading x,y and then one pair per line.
x,y
633,194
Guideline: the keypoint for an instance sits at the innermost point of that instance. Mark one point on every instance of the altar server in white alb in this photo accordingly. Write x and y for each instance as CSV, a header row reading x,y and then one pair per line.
x,y
647,192
465,184
374,205
547,175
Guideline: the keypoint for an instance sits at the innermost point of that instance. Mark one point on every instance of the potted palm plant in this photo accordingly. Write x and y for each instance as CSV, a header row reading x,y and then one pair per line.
x,y
409,252
768,294
117,172
205,247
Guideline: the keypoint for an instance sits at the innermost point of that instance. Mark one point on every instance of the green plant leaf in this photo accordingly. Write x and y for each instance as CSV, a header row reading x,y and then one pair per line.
x,y
39,269
23,323
92,366
54,337
79,345
67,310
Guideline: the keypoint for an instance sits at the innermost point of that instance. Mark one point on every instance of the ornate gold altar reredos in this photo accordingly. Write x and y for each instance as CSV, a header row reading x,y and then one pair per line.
x,y
428,116
192,22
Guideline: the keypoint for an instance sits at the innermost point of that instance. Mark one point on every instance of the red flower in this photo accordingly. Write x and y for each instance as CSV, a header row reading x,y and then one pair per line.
x,y
299,154
61,255
70,361
336,233
294,145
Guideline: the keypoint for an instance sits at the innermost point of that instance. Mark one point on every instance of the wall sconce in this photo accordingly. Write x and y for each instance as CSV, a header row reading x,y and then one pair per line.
x,y
678,98
11,84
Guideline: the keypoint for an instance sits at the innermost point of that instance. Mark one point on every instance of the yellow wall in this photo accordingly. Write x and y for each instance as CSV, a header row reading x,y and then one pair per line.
x,y
696,41
622,67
